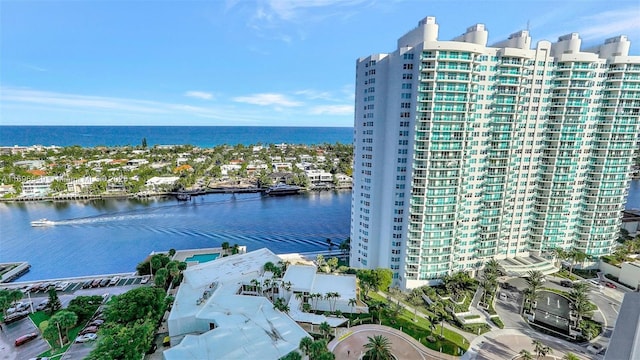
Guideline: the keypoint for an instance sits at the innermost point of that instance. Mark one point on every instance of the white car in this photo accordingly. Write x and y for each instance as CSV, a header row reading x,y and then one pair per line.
x,y
145,279
86,337
114,280
595,283
62,286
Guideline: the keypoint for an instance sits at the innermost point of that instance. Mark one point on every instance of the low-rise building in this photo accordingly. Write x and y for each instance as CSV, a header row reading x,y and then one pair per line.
x,y
159,181
6,189
81,184
212,319
38,187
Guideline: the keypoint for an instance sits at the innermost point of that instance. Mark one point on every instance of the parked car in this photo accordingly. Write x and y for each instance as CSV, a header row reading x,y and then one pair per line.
x,y
62,286
114,280
596,348
610,285
96,322
95,283
89,330
42,305
86,337
104,282
15,317
25,338
566,283
595,283
145,279
86,284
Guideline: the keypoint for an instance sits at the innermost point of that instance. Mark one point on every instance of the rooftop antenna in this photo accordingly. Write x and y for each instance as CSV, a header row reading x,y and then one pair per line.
x,y
527,25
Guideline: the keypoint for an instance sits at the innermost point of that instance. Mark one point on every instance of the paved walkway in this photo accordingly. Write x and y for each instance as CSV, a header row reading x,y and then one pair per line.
x,y
351,344
507,343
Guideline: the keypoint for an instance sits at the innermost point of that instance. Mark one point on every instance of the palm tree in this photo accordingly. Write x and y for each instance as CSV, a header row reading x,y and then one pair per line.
x,y
576,256
525,355
353,302
492,266
534,280
225,247
316,297
439,313
570,356
329,244
325,328
305,345
266,285
256,285
65,320
332,297
378,348
540,349
580,300
15,296
294,355
560,254
415,299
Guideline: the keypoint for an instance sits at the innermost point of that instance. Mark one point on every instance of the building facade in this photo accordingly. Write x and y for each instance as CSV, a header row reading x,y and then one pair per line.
x,y
466,152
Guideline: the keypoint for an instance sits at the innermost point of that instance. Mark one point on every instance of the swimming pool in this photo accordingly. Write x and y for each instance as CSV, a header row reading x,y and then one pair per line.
x,y
202,258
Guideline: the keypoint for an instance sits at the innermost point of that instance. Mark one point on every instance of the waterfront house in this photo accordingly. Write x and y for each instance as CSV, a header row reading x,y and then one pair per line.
x,y
6,189
81,184
29,164
38,187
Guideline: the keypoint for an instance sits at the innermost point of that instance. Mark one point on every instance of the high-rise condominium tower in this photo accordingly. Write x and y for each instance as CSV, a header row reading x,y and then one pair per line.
x,y
466,152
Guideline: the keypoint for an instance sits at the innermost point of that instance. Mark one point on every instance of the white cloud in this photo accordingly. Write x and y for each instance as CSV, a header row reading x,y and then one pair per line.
x,y
315,95
199,95
26,98
611,23
293,9
267,99
332,110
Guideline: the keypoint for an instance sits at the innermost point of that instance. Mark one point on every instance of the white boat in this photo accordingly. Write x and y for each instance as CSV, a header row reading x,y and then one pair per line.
x,y
283,189
42,222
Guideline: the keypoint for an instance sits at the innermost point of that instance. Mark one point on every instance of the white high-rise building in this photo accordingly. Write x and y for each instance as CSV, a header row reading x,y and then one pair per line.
x,y
466,152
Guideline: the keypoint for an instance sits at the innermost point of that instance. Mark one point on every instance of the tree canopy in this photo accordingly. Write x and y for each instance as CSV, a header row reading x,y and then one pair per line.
x,y
136,304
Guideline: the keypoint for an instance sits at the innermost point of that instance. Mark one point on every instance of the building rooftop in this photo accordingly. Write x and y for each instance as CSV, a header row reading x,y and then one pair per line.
x,y
625,340
211,320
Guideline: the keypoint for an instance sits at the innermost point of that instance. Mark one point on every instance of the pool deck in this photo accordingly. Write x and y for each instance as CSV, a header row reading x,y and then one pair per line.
x,y
182,255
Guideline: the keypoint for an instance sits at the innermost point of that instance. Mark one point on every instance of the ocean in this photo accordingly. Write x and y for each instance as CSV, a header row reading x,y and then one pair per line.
x,y
201,136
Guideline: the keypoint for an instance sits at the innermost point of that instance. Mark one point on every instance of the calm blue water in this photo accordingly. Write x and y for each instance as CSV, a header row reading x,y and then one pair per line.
x,y
633,200
112,236
202,136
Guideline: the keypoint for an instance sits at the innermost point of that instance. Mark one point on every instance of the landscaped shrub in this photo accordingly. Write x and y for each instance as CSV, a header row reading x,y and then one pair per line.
x,y
496,320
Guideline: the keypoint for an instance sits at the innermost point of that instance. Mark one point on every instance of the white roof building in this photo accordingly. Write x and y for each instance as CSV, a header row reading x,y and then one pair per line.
x,y
77,185
162,180
211,320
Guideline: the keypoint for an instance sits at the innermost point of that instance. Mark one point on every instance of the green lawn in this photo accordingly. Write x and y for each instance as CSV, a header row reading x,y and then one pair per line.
x,y
40,316
420,330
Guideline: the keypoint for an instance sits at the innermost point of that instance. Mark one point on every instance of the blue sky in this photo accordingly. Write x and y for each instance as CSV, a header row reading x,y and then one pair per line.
x,y
238,62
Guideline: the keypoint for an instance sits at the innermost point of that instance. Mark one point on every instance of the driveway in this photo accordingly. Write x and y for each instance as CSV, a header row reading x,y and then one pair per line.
x,y
403,346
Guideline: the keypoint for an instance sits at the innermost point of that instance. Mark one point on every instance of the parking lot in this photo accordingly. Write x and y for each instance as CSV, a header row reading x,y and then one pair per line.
x,y
21,327
67,290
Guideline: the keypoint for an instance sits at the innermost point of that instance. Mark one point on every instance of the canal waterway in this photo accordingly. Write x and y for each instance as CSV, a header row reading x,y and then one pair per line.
x,y
112,236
